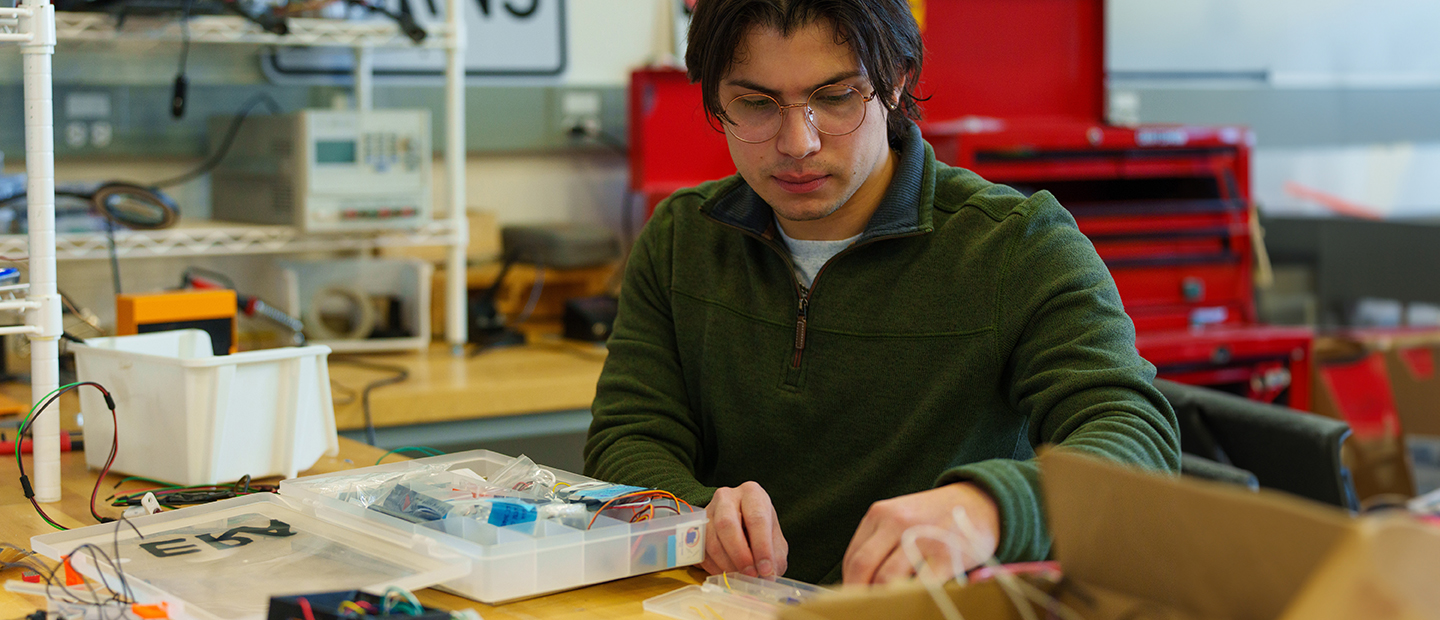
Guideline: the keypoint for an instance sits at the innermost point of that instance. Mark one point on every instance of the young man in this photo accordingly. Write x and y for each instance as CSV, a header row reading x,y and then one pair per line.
x,y
849,339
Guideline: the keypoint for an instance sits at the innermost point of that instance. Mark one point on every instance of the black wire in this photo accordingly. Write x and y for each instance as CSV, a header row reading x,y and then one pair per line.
x,y
184,36
614,144
30,422
114,254
404,19
230,133
401,374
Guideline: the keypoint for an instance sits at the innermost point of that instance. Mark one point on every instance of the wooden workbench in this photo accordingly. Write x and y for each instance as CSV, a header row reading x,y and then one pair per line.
x,y
547,374
616,599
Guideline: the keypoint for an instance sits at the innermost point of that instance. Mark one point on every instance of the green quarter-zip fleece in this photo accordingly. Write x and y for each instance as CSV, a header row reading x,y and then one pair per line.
x,y
967,326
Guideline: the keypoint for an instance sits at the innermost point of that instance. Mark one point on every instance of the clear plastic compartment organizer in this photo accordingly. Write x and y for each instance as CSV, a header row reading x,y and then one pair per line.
x,y
732,596
519,545
223,561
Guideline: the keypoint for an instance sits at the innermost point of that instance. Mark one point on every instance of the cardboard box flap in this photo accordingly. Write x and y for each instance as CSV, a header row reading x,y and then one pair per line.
x,y
1384,569
900,600
1206,548
1417,392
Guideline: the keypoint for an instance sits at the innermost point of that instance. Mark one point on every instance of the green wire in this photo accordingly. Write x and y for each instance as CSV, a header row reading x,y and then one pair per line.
x,y
421,449
20,432
144,479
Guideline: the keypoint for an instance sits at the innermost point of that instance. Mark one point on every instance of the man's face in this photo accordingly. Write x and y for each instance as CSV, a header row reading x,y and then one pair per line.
x,y
807,176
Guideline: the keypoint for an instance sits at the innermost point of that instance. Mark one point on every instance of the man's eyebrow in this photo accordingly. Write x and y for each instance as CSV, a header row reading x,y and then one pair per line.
x,y
838,77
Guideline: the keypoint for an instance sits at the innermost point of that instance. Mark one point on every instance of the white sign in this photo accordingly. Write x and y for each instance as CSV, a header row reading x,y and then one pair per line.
x,y
505,38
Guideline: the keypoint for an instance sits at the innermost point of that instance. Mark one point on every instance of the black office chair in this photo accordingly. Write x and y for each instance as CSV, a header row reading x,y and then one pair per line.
x,y
1233,439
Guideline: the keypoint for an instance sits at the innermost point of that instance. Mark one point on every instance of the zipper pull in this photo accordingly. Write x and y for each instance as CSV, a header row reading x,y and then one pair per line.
x,y
800,328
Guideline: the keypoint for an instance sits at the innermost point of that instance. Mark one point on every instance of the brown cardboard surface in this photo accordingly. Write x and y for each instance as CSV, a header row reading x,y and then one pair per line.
x,y
1137,545
1377,463
1417,398
1204,547
1386,568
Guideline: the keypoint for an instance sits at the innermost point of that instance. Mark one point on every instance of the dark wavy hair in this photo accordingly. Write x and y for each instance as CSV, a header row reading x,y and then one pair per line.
x,y
883,34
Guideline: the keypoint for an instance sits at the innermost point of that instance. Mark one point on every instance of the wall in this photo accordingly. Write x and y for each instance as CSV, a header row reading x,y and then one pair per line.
x,y
1342,94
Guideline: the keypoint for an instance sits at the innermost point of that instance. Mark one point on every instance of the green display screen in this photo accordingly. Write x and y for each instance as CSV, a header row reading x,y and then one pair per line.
x,y
335,152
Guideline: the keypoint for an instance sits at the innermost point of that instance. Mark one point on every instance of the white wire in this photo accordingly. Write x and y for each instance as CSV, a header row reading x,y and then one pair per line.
x,y
1016,589
927,576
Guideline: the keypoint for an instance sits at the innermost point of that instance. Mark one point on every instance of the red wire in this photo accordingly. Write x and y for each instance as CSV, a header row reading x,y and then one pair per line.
x,y
305,608
114,447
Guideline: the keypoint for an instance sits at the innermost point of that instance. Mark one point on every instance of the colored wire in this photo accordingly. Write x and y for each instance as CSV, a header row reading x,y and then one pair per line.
x,y
224,148
649,495
420,449
409,599
305,608
401,374
353,607
29,420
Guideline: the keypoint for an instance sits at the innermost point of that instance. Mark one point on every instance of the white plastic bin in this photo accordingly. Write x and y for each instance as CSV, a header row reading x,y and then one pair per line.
x,y
190,417
513,561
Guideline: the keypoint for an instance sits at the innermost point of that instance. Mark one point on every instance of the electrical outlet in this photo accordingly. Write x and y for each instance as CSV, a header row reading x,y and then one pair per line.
x,y
580,112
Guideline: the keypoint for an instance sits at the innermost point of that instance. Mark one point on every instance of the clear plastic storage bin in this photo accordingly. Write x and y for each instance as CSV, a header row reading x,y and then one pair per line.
x,y
519,560
191,417
223,561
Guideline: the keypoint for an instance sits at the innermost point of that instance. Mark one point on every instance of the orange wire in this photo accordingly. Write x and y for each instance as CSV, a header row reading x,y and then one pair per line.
x,y
649,494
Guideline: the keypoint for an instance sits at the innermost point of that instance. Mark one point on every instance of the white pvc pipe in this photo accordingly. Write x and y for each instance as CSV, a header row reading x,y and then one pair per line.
x,y
19,329
455,325
40,196
19,305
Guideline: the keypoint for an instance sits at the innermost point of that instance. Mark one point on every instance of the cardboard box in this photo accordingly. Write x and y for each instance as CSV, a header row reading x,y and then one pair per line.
x,y
1411,366
1139,545
1352,384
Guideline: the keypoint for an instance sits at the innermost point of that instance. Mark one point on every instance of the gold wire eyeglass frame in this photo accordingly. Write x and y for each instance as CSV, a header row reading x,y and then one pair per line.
x,y
782,107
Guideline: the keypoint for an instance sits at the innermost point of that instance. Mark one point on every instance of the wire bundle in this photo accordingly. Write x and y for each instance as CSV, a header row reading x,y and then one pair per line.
x,y
643,505
173,496
29,420
114,598
1020,593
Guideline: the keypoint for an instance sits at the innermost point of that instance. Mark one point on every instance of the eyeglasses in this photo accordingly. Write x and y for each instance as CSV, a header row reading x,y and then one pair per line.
x,y
834,110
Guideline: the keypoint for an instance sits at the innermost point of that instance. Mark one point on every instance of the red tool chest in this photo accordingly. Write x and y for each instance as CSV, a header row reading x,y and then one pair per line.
x,y
1017,93
672,146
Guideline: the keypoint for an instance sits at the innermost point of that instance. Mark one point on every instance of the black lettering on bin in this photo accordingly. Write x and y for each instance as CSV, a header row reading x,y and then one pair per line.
x,y
167,548
231,538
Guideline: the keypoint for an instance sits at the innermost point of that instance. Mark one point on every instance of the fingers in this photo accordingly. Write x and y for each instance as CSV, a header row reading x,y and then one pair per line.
x,y
895,567
871,547
760,528
744,534
781,548
717,559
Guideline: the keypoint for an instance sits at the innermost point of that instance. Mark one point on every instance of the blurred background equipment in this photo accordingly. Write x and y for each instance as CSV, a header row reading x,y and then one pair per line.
x,y
549,248
250,305
365,304
326,170
210,311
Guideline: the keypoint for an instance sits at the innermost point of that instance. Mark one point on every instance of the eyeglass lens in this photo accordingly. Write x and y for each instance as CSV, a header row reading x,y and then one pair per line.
x,y
834,110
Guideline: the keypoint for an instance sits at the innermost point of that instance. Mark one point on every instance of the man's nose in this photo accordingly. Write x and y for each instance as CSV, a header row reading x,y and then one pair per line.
x,y
798,137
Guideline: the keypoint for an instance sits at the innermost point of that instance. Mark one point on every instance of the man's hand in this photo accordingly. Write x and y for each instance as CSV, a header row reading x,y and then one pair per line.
x,y
744,533
875,556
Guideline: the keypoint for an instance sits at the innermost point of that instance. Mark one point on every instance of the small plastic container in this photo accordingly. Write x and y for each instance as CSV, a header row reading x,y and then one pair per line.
x,y
732,596
223,561
519,560
190,417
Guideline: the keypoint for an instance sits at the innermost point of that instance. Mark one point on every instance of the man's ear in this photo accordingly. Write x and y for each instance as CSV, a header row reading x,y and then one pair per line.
x,y
893,101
